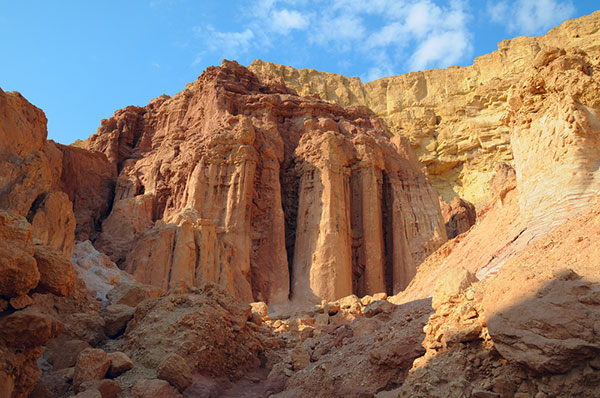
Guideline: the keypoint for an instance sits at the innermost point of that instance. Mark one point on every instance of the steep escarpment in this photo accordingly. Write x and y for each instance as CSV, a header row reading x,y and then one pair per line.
x,y
36,240
238,181
554,131
453,116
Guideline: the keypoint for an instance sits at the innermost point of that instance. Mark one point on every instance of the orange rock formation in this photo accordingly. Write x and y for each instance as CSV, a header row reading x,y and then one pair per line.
x,y
239,182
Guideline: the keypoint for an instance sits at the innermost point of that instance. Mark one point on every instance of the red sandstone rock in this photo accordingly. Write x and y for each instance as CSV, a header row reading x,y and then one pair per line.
x,y
119,363
209,329
154,389
20,302
459,215
116,317
88,179
28,328
107,388
53,222
18,268
176,371
132,294
23,127
56,272
92,365
62,352
230,181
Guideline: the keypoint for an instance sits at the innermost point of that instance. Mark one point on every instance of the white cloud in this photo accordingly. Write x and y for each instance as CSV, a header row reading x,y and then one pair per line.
x,y
228,44
440,50
530,17
392,35
342,29
283,21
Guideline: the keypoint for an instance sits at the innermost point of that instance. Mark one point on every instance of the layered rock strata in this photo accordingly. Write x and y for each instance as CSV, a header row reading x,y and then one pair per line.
x,y
554,129
237,181
34,251
453,116
554,117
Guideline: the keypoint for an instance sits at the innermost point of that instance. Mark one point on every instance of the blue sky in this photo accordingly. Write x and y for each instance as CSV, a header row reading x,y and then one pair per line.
x,y
81,60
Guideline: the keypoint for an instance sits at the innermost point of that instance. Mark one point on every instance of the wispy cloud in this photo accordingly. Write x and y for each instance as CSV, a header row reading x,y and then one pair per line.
x,y
230,44
393,34
283,21
530,17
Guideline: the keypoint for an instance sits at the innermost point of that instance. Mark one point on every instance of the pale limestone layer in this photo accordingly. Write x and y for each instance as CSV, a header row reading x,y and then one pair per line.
x,y
554,117
451,116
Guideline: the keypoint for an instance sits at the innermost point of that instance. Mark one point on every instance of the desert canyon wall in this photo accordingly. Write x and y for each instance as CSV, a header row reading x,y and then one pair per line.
x,y
237,181
452,117
237,186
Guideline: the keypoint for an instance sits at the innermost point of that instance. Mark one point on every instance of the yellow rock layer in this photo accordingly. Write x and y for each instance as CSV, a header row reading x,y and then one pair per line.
x,y
452,117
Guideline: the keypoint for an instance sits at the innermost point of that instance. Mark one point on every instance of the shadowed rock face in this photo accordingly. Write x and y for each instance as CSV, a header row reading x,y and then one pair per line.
x,y
239,181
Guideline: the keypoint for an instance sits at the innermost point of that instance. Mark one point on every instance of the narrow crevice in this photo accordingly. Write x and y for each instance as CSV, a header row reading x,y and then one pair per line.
x,y
35,206
357,234
289,181
388,233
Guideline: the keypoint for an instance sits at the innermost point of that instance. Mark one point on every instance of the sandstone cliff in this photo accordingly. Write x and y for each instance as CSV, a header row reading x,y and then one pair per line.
x,y
453,116
237,181
554,128
34,251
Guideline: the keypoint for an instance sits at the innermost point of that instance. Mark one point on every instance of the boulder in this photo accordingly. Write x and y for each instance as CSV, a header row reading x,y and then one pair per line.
x,y
56,272
132,294
176,371
119,363
154,389
116,317
18,268
92,365
63,351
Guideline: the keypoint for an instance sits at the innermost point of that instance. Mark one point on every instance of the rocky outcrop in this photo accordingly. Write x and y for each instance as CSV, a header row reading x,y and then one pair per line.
x,y
554,117
237,181
34,251
207,328
530,331
27,185
88,179
459,215
554,130
453,116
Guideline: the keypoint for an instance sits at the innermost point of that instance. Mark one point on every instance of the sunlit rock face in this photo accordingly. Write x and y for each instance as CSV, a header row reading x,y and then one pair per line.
x,y
238,181
554,118
453,116
37,228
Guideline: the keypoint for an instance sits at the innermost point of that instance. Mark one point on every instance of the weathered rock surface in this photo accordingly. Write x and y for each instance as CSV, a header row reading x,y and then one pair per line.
x,y
544,190
237,181
116,317
89,180
119,363
208,329
453,117
176,371
53,222
56,272
18,268
154,389
96,269
92,365
459,215
554,117
26,191
529,331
